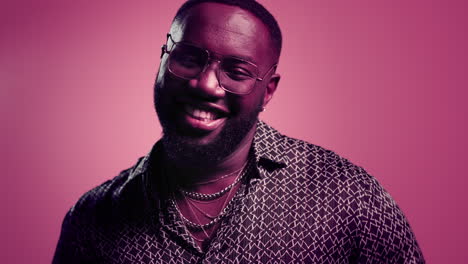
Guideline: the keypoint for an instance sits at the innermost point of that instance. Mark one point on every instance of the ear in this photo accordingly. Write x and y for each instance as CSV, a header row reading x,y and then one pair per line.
x,y
271,88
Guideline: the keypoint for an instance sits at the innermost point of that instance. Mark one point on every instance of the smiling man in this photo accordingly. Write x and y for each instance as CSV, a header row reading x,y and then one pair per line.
x,y
222,186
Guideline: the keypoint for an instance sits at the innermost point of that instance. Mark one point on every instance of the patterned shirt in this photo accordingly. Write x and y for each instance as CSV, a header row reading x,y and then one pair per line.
x,y
302,204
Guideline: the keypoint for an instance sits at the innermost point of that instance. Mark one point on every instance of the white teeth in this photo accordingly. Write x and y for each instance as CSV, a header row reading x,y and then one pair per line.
x,y
199,113
203,114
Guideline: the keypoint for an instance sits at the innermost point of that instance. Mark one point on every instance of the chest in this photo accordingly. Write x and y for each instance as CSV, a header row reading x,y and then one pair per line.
x,y
270,223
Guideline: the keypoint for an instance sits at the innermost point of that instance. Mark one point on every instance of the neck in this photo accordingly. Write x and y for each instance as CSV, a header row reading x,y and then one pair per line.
x,y
189,174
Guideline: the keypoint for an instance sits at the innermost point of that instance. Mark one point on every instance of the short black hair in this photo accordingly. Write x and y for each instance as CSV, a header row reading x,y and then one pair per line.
x,y
253,7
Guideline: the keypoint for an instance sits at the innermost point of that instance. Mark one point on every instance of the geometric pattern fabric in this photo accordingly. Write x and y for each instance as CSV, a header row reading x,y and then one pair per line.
x,y
300,204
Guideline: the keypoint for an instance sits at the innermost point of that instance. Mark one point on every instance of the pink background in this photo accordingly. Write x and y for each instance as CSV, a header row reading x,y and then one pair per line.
x,y
383,83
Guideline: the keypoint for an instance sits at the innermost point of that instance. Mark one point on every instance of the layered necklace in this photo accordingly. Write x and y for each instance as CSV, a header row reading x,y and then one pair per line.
x,y
195,202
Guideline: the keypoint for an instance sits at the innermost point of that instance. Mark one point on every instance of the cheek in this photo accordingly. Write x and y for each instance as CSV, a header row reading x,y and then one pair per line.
x,y
165,79
257,97
169,84
247,104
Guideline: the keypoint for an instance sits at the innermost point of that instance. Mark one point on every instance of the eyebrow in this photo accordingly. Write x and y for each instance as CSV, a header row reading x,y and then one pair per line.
x,y
243,58
246,58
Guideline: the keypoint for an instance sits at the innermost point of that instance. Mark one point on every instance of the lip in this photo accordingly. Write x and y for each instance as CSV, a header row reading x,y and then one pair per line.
x,y
203,125
212,107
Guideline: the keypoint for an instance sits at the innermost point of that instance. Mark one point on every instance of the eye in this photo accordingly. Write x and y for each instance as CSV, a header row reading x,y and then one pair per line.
x,y
238,70
238,73
188,57
188,61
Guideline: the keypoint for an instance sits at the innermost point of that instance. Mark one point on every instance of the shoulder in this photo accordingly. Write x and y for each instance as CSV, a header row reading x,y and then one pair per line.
x,y
107,199
343,192
304,161
96,215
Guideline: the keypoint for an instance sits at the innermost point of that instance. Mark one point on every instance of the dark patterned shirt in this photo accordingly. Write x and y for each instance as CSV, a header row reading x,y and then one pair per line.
x,y
302,204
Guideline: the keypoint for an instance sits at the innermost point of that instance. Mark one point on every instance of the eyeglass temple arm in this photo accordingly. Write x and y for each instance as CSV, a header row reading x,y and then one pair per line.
x,y
271,68
164,47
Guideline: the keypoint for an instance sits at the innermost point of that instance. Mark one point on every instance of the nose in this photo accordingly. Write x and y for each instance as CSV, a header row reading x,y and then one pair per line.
x,y
207,83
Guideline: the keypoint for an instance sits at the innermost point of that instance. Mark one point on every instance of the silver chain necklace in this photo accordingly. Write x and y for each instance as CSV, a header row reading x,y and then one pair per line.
x,y
202,227
216,219
219,178
213,218
212,196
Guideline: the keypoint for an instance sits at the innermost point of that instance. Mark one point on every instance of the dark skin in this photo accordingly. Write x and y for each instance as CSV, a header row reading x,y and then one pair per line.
x,y
226,30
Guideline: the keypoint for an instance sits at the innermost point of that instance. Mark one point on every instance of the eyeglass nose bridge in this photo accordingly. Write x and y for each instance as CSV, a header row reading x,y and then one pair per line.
x,y
209,61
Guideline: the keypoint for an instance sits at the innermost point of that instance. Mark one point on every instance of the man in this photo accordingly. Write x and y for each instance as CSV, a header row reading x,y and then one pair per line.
x,y
221,186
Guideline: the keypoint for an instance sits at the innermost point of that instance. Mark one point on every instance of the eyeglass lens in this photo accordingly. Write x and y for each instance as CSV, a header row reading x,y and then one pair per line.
x,y
234,75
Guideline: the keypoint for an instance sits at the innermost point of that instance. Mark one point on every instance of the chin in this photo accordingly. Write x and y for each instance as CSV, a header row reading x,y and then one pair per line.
x,y
201,150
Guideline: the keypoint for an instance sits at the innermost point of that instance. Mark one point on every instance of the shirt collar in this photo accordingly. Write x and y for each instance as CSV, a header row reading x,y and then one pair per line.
x,y
268,145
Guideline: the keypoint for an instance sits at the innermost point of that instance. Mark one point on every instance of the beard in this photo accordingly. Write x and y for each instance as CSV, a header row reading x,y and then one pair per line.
x,y
183,148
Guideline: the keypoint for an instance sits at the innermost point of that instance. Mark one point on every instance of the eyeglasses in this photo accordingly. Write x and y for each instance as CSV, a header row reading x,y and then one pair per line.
x,y
235,75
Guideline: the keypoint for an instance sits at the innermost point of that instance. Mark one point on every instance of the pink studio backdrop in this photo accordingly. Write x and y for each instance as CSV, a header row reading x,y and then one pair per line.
x,y
382,83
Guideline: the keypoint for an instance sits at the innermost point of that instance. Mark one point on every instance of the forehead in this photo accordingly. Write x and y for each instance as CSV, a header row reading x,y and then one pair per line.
x,y
225,29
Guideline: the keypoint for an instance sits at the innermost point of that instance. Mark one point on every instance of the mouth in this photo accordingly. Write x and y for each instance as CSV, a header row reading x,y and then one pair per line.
x,y
201,114
204,118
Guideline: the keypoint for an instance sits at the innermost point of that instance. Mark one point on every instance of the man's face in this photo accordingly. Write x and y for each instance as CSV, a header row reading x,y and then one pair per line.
x,y
201,121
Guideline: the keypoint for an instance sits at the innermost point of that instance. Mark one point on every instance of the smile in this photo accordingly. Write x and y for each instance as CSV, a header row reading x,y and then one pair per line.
x,y
203,119
200,114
